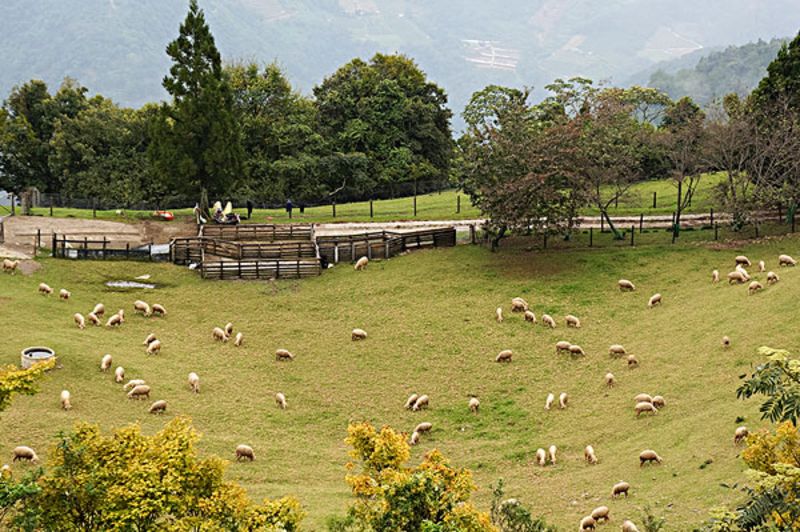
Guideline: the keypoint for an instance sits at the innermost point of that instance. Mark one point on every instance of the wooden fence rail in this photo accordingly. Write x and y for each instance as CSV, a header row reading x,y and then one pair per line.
x,y
384,244
65,248
259,269
258,232
188,250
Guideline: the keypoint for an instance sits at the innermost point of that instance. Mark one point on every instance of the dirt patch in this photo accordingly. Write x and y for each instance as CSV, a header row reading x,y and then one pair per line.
x,y
28,267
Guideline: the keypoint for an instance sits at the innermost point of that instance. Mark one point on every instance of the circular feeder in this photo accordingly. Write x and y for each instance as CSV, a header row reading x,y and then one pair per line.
x,y
32,355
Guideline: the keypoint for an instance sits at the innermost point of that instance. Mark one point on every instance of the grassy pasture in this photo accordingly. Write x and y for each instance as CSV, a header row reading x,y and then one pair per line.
x,y
430,319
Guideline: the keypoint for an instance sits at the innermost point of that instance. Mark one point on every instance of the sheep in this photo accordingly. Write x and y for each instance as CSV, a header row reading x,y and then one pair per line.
x,y
655,299
551,452
5,471
474,405
573,321
425,426
587,523
10,266
119,374
772,278
280,400
154,347
141,306
761,266
715,276
519,305
625,285
133,383
726,342
219,335
25,453
194,382
610,381
361,264
548,321
740,435
99,310
93,319
617,350
245,451
159,310
601,512
633,362
786,260
563,346
576,350
649,456
121,314
358,334
422,402
150,339
499,314
754,287
79,320
744,273
139,392
659,401
628,526
741,259
504,356
114,321
105,363
541,457
589,456
620,488
229,328
44,289
414,438
410,401
283,354
64,294
159,407
643,398
645,406
736,277
65,400
562,400
549,401
530,316
239,339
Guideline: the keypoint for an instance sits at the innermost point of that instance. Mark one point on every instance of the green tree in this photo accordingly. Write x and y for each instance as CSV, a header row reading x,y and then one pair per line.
x,y
196,144
15,381
782,81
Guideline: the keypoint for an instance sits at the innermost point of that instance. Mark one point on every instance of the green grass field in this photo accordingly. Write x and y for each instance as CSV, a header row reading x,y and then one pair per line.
x,y
430,319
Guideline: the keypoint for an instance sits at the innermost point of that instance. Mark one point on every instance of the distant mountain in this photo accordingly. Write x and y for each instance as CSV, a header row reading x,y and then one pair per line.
x,y
116,47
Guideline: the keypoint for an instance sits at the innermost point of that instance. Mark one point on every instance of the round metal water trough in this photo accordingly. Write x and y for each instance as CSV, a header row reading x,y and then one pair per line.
x,y
32,355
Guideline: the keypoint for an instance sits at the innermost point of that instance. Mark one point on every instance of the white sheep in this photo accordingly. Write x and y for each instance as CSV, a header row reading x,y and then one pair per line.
x,y
655,299
414,440
219,335
551,454
644,406
620,488
194,382
10,266
99,309
422,402
105,363
530,316
499,314
643,398
541,457
549,401
740,435
740,269
79,320
610,381
140,391
633,362
119,374
239,339
245,452
715,276
601,513
64,294
649,456
45,289
65,400
425,426
562,400
548,321
504,356
133,383
726,342
741,259
754,287
280,400
358,334
625,285
410,401
159,310
772,278
786,260
519,305
736,277
154,347
628,526
159,407
114,321
589,456
587,523
761,266
576,350
659,401
563,346
229,328
474,405
150,339
283,354
361,264
141,306
93,319
617,350
23,452
573,321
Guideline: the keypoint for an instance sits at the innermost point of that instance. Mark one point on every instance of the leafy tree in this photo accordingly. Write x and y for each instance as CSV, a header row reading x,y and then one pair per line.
x,y
779,380
15,501
782,81
196,141
509,515
15,381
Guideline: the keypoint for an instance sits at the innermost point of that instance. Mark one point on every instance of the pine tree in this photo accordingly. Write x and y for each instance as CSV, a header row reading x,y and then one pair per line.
x,y
782,81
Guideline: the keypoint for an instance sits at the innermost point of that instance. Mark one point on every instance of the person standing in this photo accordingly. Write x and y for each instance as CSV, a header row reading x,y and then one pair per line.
x,y
289,207
249,209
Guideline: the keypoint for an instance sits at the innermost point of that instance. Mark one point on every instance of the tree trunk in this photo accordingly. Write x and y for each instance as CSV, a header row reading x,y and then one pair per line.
x,y
204,202
604,214
496,240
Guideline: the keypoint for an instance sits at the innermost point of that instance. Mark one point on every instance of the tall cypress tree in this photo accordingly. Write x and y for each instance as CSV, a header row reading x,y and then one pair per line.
x,y
196,141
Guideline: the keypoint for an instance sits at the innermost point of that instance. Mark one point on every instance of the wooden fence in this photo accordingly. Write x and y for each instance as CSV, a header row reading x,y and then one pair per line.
x,y
259,232
383,244
189,250
2,230
65,248
259,269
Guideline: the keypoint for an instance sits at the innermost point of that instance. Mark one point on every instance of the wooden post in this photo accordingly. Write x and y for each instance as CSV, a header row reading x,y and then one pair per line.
x,y
55,244
641,222
712,215
13,204
591,236
716,231
333,204
370,208
472,236
415,205
654,199
38,238
458,203
128,250
633,232
105,243
51,205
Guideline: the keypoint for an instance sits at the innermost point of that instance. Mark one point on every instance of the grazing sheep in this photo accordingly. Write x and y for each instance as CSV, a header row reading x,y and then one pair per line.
x,y
655,299
64,294
740,435
5,471
105,363
548,321
617,350
644,406
610,381
44,289
119,374
65,397
474,404
530,316
541,457
410,401
141,306
425,426
283,354
358,334
154,347
628,526
726,342
576,350
422,402
10,266
239,339
625,285
643,398
649,456
219,335
139,392
229,328
194,382
754,287
620,488
159,407
549,401
563,346
499,314
159,310
93,319
761,266
772,278
361,264
25,453
504,356
715,276
736,277
601,512
744,273
245,451
150,339
414,438
99,310
573,321
519,305
280,400
79,320
589,456
786,260
562,400
633,362
551,452
587,523
133,383
741,259
114,321
659,401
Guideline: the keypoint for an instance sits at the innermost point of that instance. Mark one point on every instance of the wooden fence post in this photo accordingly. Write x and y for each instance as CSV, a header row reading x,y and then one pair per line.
x,y
591,236
458,203
472,235
105,243
654,199
333,204
633,232
370,208
55,240
641,222
415,205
